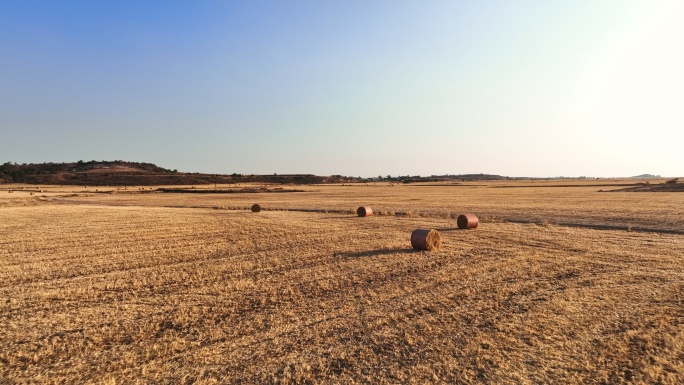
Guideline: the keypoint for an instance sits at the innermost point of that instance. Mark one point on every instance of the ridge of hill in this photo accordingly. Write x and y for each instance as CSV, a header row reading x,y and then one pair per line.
x,y
122,173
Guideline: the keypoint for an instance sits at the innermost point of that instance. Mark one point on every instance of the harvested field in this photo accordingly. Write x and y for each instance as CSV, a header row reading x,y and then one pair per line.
x,y
165,288
536,202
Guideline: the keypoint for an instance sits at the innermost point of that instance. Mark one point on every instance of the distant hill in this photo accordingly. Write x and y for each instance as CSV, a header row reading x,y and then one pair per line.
x,y
645,176
121,173
445,178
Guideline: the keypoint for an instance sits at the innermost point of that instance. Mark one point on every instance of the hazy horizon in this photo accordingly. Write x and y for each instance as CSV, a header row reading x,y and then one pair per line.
x,y
530,89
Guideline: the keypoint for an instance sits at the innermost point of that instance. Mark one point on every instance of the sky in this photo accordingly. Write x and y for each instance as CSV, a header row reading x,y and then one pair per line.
x,y
359,88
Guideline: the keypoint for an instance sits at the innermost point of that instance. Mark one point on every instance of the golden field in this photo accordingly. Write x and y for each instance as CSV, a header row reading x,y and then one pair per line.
x,y
557,285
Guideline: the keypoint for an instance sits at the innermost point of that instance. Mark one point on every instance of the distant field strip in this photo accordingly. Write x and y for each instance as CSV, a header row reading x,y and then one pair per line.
x,y
490,216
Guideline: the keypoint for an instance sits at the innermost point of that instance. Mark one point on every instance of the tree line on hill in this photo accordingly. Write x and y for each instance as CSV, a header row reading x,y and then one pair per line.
x,y
123,173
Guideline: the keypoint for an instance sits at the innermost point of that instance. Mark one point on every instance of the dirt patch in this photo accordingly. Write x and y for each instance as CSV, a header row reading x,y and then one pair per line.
x,y
647,187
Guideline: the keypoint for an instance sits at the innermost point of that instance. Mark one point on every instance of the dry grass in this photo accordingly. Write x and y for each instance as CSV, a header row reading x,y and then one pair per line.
x,y
96,292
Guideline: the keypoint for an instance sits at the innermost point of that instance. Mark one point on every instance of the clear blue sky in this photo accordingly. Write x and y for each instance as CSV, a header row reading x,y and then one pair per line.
x,y
359,88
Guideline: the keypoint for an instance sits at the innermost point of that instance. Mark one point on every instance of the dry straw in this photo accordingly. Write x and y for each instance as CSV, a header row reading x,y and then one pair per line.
x,y
426,239
467,221
364,211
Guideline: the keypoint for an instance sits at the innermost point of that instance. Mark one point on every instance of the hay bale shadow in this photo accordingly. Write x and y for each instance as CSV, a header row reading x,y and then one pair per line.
x,y
374,253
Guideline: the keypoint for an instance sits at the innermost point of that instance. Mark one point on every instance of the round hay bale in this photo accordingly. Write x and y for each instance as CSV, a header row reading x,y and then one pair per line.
x,y
467,221
364,211
426,239
256,208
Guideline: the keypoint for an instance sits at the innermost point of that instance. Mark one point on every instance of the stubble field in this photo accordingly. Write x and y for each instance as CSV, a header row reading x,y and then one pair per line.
x,y
556,285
